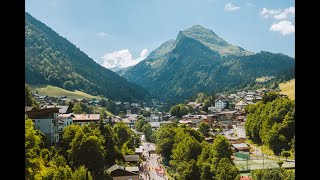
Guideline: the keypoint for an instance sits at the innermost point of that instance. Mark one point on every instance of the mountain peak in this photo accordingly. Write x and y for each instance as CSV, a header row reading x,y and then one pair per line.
x,y
197,26
199,29
213,41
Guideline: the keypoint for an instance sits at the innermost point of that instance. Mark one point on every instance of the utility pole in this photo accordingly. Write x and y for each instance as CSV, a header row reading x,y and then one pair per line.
x,y
263,160
247,163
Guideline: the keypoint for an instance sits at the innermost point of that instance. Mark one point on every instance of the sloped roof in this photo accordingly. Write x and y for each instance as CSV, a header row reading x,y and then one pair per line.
x,y
28,108
64,116
86,117
155,124
240,145
132,169
62,109
241,103
138,150
130,158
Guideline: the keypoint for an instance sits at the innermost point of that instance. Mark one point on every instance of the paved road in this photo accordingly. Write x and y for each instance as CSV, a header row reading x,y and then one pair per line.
x,y
151,163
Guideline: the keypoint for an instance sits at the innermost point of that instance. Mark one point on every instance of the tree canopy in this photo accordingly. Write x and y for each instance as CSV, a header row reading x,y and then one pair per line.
x,y
190,157
272,123
179,110
83,153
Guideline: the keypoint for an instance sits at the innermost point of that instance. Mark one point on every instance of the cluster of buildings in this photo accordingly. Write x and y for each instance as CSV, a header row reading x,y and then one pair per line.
x,y
227,114
51,120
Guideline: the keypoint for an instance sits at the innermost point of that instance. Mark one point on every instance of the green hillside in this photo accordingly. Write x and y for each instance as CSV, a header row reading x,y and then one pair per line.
x,y
52,60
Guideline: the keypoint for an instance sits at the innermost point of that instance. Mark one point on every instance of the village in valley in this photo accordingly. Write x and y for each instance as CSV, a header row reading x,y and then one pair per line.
x,y
159,90
226,117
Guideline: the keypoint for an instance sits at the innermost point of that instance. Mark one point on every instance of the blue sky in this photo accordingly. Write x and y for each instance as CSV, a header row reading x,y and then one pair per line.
x,y
120,33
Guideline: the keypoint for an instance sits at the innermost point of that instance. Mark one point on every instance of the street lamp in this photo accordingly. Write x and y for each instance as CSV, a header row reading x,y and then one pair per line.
x,y
134,140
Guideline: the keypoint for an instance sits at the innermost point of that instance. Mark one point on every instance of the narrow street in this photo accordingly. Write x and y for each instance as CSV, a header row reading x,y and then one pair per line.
x,y
153,169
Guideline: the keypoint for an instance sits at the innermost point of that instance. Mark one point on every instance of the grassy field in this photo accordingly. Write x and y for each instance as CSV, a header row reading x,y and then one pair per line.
x,y
288,88
56,91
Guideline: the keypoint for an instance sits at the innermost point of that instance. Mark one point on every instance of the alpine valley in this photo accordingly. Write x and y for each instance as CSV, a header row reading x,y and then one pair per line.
x,y
198,60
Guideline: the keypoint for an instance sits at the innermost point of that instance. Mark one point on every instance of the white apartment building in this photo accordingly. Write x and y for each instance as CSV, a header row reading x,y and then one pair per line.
x,y
47,121
220,104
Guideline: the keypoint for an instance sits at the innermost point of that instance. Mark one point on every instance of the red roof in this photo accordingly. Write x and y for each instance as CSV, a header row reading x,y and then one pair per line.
x,y
86,117
245,178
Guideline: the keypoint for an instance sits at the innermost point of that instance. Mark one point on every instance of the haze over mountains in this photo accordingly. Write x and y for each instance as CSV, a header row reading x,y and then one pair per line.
x,y
200,61
53,60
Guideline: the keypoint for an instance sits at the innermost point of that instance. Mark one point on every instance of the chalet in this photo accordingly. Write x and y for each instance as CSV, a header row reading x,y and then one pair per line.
x,y
236,140
118,172
47,121
131,119
196,123
241,147
138,151
232,97
131,158
258,98
165,122
85,118
186,122
248,99
155,125
240,105
226,115
211,119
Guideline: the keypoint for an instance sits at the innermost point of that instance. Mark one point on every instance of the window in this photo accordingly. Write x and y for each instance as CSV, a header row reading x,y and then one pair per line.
x,y
38,120
52,121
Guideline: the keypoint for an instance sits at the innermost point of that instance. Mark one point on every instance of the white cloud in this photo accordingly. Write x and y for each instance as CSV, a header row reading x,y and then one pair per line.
x,y
284,27
103,34
231,7
277,14
144,53
285,13
122,59
266,13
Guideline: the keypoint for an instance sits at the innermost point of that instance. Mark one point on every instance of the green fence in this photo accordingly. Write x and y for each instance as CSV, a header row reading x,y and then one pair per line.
x,y
243,155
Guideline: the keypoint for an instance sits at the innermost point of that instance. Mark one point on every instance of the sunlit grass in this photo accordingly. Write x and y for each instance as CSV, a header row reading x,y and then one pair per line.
x,y
288,88
56,91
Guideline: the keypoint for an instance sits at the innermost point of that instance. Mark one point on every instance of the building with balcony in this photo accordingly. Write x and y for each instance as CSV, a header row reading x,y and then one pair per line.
x,y
47,121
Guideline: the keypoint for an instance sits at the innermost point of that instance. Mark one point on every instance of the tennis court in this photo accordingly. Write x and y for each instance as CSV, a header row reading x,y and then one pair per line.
x,y
257,162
